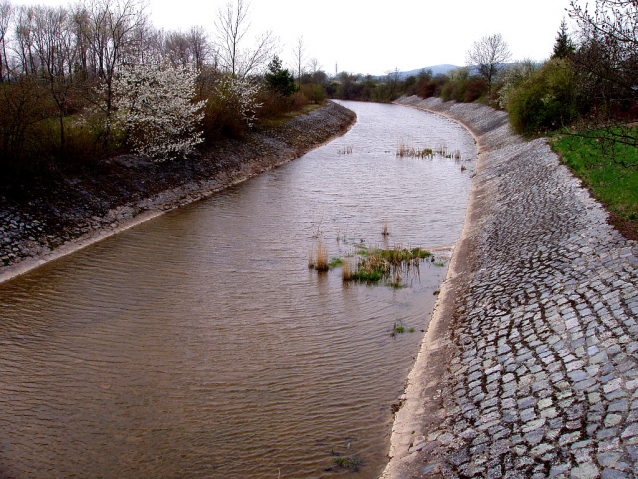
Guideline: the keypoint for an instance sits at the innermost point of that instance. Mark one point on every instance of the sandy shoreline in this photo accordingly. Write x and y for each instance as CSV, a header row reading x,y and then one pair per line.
x,y
317,128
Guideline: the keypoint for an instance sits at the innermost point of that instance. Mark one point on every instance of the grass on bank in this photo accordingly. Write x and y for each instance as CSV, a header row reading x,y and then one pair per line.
x,y
612,184
284,117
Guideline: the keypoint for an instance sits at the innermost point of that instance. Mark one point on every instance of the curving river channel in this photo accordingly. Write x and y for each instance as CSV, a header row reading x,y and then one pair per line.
x,y
200,344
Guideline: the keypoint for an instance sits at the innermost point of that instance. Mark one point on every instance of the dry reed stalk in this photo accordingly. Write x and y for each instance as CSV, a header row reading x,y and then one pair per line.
x,y
346,269
321,257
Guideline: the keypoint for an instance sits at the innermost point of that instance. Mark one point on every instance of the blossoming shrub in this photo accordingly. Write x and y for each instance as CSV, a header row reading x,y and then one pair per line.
x,y
231,107
156,112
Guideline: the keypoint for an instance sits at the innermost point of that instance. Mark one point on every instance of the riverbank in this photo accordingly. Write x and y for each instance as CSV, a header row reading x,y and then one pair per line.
x,y
41,221
529,367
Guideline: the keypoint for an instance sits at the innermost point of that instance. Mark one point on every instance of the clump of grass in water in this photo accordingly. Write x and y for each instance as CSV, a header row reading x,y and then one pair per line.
x,y
348,462
346,270
318,258
335,262
405,150
346,150
389,265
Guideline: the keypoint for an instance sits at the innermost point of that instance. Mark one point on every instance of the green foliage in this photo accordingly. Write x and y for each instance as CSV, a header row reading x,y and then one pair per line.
x,y
279,79
512,76
545,101
389,265
348,462
610,181
335,262
314,92
564,46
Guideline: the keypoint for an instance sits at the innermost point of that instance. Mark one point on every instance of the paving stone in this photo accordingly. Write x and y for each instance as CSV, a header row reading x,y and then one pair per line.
x,y
547,320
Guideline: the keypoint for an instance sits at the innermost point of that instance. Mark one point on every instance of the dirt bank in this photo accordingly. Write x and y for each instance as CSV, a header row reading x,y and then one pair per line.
x,y
45,218
528,367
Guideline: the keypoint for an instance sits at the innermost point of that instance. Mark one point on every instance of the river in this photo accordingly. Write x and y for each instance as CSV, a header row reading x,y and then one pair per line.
x,y
200,344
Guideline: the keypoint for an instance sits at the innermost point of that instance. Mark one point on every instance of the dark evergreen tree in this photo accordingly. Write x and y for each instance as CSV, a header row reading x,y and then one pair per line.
x,y
279,79
564,46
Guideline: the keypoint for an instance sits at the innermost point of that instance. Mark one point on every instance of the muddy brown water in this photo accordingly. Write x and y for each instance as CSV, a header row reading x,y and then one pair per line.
x,y
200,345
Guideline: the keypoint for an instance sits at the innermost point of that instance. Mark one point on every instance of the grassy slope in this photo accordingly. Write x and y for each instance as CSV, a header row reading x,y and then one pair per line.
x,y
612,184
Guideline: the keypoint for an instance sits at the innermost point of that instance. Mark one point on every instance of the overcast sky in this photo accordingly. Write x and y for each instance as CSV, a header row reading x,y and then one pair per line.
x,y
375,36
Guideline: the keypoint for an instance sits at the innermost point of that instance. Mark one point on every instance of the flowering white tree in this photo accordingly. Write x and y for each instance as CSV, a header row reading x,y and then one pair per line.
x,y
155,110
241,95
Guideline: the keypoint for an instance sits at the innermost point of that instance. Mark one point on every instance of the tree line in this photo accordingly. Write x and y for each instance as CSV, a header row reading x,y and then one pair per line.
x,y
97,78
589,83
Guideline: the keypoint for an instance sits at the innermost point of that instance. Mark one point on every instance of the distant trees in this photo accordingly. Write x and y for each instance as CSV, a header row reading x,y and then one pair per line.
x,y
488,55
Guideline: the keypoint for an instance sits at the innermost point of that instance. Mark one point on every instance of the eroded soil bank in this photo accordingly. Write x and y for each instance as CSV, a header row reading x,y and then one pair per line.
x,y
42,221
529,367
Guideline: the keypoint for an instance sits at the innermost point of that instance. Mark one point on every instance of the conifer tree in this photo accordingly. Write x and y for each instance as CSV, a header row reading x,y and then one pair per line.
x,y
564,46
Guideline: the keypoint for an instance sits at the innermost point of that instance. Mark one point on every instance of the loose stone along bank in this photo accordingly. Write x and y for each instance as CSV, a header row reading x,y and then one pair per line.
x,y
530,366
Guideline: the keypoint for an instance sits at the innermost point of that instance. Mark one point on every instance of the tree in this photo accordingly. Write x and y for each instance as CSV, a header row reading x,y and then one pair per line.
x,y
6,16
188,48
279,79
512,77
232,26
299,53
488,55
107,28
607,62
564,46
56,51
542,99
156,112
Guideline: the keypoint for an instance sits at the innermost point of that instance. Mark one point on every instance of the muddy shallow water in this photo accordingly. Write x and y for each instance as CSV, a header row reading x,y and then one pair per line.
x,y
201,345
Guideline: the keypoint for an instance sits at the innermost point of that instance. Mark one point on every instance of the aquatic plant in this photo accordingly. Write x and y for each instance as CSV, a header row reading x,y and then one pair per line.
x,y
346,150
335,262
390,265
318,258
405,150
347,462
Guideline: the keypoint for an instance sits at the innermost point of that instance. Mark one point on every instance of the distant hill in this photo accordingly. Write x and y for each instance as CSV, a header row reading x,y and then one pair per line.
x,y
436,69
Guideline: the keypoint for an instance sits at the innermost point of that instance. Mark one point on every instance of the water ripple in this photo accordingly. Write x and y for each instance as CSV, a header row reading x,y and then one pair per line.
x,y
200,345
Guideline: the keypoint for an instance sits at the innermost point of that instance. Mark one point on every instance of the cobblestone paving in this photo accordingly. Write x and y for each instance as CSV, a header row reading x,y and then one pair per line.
x,y
544,379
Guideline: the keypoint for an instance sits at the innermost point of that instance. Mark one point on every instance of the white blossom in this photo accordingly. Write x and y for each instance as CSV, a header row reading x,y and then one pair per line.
x,y
156,111
241,94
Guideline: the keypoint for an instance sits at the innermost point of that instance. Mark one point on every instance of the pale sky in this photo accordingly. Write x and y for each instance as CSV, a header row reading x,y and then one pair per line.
x,y
373,36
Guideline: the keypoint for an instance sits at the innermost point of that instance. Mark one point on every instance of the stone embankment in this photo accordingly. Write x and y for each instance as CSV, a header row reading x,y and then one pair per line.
x,y
529,368
42,220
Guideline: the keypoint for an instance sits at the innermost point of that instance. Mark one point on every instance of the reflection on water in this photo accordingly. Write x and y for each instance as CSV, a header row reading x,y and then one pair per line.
x,y
201,345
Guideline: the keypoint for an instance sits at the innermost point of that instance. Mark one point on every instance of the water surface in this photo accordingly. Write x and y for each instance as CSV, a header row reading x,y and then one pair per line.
x,y
200,345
